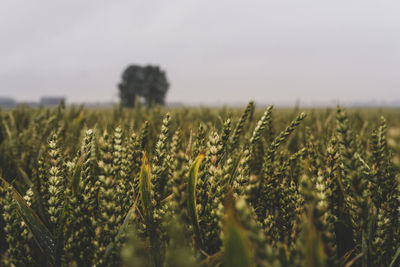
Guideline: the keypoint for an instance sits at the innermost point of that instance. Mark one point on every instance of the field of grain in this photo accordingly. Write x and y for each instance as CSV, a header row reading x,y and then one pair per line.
x,y
199,187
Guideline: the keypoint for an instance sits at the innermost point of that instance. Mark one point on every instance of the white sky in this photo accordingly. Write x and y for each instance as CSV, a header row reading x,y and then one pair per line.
x,y
225,51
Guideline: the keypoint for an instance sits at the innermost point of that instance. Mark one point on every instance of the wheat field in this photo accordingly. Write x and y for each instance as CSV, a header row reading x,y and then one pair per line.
x,y
199,187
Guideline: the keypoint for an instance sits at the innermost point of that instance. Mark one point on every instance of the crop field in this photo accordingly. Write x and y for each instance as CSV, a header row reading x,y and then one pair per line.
x,y
199,187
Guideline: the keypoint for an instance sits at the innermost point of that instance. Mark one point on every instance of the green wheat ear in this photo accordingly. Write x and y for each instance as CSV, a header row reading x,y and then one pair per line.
x,y
240,125
191,188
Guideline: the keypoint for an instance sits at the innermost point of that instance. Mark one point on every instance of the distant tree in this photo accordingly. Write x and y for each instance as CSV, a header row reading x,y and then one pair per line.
x,y
149,82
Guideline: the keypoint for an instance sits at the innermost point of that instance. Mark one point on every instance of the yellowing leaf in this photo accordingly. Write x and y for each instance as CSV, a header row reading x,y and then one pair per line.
x,y
191,187
145,190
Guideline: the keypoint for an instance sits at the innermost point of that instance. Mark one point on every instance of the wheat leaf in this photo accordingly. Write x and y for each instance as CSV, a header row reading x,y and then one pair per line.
x,y
40,233
192,181
237,252
77,174
396,258
145,190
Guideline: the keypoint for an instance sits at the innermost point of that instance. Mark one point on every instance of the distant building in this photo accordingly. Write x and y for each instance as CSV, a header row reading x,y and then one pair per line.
x,y
31,104
7,102
51,101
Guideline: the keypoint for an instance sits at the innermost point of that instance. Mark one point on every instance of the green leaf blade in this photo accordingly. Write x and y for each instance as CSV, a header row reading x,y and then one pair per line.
x,y
40,232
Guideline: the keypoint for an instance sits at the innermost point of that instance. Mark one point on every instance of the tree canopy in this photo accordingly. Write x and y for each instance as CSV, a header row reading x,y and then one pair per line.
x,y
149,82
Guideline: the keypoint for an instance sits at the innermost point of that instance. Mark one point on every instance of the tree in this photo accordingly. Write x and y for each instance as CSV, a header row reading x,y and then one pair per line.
x,y
149,82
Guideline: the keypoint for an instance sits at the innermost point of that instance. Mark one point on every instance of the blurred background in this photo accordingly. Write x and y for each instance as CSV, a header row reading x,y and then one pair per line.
x,y
213,52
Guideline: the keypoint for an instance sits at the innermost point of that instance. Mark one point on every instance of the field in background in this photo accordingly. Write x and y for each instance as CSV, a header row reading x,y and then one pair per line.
x,y
199,187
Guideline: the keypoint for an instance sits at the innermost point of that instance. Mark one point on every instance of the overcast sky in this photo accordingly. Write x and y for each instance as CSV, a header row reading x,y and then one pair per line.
x,y
213,51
